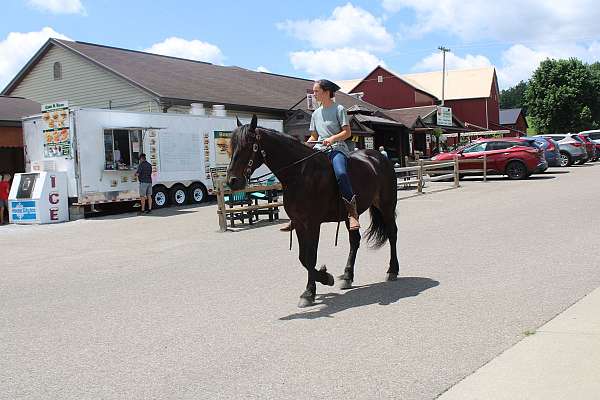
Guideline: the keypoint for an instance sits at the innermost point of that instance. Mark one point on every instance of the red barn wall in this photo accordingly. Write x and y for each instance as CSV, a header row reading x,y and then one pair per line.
x,y
392,92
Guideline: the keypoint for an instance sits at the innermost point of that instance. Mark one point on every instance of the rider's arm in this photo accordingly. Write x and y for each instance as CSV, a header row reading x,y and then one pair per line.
x,y
343,135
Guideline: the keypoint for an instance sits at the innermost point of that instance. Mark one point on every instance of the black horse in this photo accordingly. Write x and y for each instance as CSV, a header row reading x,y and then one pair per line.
x,y
311,195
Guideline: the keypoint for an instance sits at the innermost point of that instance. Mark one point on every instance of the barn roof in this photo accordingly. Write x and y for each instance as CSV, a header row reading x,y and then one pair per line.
x,y
510,116
460,84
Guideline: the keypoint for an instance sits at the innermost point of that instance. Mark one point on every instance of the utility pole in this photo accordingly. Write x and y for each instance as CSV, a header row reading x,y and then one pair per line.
x,y
443,50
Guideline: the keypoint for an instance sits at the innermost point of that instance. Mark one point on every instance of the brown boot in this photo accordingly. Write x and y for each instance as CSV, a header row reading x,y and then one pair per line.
x,y
352,213
289,227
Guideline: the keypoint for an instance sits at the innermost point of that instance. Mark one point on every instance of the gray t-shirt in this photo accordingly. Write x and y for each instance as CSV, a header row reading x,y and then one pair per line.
x,y
327,122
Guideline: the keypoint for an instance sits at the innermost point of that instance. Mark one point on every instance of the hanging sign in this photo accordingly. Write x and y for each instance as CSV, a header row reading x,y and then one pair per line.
x,y
444,116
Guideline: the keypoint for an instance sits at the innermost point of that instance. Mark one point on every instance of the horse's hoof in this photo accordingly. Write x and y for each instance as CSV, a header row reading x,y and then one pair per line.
x,y
345,284
304,302
329,278
391,277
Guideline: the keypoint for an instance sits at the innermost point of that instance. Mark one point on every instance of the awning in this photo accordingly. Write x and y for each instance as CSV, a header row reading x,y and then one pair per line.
x,y
11,136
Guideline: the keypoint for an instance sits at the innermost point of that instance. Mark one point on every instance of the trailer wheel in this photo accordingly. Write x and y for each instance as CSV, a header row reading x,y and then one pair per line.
x,y
197,193
160,197
178,195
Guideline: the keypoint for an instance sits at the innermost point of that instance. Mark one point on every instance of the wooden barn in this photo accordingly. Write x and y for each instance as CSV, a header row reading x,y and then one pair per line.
x,y
472,94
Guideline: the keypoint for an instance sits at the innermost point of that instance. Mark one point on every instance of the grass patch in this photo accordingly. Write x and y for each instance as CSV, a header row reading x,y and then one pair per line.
x,y
529,333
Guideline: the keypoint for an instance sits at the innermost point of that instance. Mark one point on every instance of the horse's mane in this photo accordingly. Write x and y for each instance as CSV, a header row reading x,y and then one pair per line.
x,y
243,137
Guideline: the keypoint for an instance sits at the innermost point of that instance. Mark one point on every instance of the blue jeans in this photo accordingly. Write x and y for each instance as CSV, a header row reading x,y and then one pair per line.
x,y
340,164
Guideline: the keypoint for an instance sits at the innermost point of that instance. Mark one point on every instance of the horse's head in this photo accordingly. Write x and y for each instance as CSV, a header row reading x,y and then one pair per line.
x,y
246,155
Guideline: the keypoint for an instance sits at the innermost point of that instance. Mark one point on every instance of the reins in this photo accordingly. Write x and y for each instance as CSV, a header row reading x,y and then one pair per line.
x,y
256,148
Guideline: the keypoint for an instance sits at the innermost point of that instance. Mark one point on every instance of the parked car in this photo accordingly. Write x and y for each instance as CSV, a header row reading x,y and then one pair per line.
x,y
594,135
572,149
514,157
589,146
550,147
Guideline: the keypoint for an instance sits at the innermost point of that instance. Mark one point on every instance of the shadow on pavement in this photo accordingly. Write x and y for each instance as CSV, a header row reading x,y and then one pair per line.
x,y
382,293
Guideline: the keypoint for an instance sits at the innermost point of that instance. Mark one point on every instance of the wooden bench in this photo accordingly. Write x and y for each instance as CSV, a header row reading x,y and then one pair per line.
x,y
249,210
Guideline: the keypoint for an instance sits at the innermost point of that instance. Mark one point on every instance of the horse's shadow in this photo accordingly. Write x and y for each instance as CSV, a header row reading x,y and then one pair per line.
x,y
382,293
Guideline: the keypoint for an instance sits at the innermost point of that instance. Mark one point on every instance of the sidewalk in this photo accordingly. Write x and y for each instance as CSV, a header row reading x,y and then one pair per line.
x,y
560,361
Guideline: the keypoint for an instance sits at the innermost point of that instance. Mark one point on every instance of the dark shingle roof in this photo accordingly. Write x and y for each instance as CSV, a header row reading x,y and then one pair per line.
x,y
15,108
409,116
509,116
188,81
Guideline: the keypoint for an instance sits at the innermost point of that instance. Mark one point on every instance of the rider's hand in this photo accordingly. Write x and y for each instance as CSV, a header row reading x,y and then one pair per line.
x,y
327,142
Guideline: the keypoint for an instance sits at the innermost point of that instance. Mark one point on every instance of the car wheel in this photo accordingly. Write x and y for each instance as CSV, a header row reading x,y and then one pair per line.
x,y
565,159
516,170
160,197
198,193
178,195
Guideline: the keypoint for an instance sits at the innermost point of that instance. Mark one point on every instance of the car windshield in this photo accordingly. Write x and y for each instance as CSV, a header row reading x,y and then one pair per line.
x,y
577,138
594,136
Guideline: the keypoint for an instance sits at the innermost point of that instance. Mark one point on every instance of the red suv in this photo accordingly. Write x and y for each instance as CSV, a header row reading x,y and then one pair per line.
x,y
590,146
514,157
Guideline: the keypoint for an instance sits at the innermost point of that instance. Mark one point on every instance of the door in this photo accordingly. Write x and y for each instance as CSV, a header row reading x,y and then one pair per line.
x,y
497,154
474,157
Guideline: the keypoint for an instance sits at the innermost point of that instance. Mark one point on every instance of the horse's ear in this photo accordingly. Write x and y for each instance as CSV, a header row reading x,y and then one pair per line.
x,y
253,123
237,120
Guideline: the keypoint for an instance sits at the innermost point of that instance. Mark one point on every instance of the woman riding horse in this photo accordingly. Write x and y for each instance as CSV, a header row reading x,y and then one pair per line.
x,y
330,128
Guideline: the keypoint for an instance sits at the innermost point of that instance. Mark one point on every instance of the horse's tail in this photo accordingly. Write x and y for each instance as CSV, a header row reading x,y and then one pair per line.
x,y
377,233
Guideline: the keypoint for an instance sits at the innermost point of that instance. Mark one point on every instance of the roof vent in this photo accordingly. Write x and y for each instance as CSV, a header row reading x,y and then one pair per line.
x,y
218,110
197,109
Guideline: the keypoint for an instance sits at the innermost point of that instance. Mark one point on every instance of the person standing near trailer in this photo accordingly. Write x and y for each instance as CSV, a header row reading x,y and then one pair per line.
x,y
144,175
4,189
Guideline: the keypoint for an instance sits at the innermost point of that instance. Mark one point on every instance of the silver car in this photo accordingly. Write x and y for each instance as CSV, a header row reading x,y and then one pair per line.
x,y
572,148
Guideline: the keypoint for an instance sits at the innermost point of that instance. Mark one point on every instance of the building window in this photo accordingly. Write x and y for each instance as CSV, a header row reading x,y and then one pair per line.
x,y
57,69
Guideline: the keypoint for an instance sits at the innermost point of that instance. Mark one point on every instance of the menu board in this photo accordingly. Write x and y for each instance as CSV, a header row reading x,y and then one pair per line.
x,y
55,128
222,144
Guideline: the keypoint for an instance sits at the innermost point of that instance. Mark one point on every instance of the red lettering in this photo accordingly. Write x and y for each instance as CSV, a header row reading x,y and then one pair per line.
x,y
53,181
53,198
54,214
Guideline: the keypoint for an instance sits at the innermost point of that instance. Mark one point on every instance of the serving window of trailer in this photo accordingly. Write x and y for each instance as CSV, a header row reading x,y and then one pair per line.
x,y
122,148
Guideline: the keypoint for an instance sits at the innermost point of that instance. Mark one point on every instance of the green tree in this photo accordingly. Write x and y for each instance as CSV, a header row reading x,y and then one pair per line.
x,y
562,96
513,97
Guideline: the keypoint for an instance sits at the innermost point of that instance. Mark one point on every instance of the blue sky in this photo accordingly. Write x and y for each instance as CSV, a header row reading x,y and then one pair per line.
x,y
333,39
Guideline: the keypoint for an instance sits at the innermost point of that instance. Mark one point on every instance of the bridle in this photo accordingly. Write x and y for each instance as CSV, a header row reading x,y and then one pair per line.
x,y
256,149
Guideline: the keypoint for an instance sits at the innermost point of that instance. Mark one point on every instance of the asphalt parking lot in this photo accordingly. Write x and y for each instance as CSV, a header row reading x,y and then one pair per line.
x,y
164,306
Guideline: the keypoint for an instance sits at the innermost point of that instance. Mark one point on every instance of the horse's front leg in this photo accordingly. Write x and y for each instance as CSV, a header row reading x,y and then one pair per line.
x,y
308,240
348,277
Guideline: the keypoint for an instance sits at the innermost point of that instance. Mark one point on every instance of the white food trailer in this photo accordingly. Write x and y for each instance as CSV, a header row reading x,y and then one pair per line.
x,y
99,152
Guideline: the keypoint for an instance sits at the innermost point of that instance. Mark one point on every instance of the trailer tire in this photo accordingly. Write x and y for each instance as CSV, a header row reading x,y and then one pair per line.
x,y
197,193
160,197
178,195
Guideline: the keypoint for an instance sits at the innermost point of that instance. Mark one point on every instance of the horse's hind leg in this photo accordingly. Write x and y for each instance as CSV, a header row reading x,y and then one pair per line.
x,y
308,240
348,276
392,233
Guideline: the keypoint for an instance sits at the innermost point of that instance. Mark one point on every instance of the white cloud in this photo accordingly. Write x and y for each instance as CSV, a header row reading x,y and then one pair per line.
x,y
344,63
434,62
18,47
59,6
262,69
518,62
508,20
190,49
347,26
